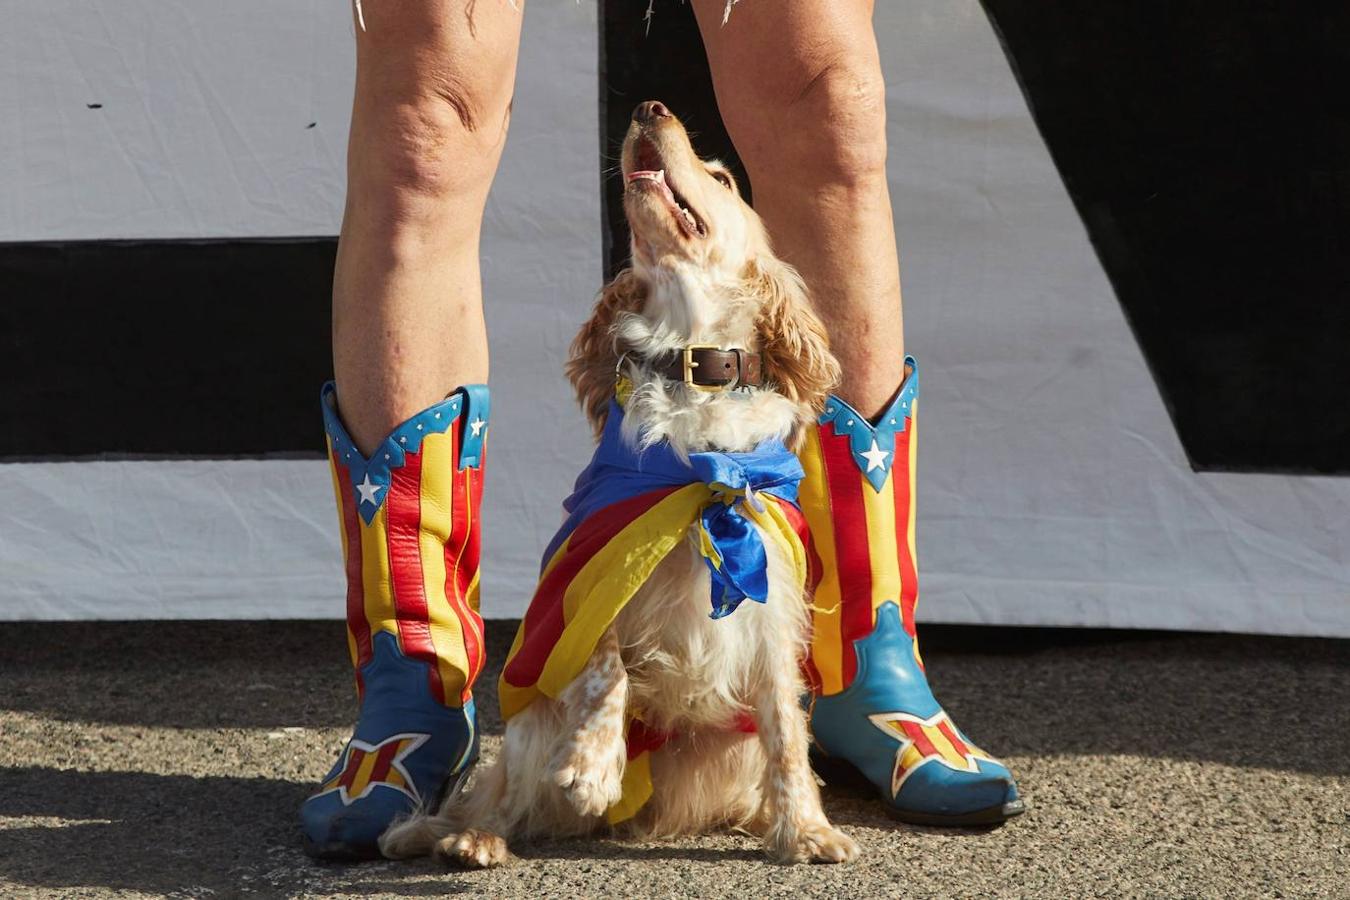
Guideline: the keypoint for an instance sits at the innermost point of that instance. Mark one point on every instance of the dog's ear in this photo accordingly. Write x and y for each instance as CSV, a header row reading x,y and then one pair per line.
x,y
595,351
792,339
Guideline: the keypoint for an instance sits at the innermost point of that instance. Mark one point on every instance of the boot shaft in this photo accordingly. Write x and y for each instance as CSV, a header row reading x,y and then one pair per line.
x,y
410,530
858,499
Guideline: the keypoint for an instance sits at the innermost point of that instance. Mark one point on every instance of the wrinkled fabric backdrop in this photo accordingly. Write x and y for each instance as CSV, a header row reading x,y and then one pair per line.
x,y
1053,487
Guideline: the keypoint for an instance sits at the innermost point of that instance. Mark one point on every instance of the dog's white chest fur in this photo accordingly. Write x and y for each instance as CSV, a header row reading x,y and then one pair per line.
x,y
689,671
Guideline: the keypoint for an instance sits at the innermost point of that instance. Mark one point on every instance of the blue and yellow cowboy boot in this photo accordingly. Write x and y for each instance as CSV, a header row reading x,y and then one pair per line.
x,y
872,705
410,539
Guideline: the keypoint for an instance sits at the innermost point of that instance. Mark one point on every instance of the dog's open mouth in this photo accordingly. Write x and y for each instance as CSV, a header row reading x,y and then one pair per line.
x,y
651,175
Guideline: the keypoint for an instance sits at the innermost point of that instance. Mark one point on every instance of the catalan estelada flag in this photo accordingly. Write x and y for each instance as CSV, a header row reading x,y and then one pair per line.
x,y
629,509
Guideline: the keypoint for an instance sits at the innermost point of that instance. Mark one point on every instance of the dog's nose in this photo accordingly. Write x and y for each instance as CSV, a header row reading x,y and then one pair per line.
x,y
648,111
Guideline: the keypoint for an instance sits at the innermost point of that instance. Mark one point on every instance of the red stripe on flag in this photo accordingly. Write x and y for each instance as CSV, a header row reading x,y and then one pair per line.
x,y
642,738
356,594
914,731
950,734
544,623
909,575
403,510
354,760
383,760
853,561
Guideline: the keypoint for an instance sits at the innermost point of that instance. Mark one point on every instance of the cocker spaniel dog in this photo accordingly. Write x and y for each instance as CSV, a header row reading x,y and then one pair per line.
x,y
642,693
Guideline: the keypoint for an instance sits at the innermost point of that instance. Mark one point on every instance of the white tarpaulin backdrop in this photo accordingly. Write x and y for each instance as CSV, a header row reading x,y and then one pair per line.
x,y
1053,489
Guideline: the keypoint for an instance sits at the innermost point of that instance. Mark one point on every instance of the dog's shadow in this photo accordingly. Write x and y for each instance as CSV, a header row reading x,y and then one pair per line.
x,y
180,835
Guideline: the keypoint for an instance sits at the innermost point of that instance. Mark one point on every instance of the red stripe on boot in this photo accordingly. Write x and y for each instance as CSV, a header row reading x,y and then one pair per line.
x,y
354,760
901,483
914,731
403,507
852,555
476,649
383,760
461,561
950,734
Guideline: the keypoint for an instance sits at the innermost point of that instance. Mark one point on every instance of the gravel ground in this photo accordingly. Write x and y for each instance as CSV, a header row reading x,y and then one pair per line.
x,y
167,759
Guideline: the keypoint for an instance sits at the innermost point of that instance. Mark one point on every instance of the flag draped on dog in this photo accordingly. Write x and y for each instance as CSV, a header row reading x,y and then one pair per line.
x,y
631,507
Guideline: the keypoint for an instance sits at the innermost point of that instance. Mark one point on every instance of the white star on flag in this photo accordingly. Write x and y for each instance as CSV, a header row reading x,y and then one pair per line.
x,y
876,457
368,490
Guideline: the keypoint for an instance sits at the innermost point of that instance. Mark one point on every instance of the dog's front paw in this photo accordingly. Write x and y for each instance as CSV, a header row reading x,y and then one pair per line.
x,y
590,788
820,842
472,849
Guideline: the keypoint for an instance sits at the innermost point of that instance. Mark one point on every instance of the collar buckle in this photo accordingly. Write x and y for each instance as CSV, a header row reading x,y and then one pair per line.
x,y
690,364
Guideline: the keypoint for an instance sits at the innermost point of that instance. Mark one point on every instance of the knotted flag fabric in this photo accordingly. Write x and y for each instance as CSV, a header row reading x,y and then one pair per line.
x,y
631,507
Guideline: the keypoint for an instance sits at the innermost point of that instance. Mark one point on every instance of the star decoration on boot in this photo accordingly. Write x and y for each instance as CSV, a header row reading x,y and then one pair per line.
x,y
368,491
477,426
876,457
924,741
366,765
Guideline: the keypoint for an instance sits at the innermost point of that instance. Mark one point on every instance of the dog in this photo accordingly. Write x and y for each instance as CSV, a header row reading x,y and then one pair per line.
x,y
723,693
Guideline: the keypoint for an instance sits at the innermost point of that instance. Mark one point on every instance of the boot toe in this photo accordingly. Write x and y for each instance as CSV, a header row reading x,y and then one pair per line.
x,y
333,830
935,794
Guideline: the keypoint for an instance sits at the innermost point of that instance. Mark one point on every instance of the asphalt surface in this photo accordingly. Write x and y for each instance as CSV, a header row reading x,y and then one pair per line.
x,y
168,759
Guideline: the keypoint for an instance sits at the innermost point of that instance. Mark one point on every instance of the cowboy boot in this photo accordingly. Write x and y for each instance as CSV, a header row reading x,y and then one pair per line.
x,y
872,705
410,539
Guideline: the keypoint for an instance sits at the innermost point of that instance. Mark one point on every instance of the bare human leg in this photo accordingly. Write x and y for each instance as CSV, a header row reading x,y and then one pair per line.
x,y
407,420
801,91
434,82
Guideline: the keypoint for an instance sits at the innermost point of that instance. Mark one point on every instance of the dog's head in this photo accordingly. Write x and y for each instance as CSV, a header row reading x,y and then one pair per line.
x,y
683,210
703,271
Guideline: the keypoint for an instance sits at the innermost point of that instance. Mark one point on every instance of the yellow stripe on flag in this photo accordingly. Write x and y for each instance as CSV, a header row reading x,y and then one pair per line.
x,y
827,615
509,696
611,577
637,789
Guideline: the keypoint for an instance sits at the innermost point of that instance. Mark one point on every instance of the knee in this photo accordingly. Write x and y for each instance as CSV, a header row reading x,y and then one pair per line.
x,y
827,127
429,136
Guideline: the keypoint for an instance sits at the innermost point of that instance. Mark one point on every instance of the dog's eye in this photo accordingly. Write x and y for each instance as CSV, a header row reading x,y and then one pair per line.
x,y
723,177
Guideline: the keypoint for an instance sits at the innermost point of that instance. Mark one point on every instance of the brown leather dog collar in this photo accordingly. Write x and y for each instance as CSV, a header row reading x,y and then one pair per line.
x,y
711,368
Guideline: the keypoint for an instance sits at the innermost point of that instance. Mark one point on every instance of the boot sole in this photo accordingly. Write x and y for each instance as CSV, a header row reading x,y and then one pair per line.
x,y
993,816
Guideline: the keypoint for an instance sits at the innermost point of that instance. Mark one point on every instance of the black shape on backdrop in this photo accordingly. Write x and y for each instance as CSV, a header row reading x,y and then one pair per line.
x,y
667,64
1207,148
149,348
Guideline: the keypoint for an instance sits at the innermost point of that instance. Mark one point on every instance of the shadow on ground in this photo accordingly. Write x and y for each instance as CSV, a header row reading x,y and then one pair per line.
x,y
1276,703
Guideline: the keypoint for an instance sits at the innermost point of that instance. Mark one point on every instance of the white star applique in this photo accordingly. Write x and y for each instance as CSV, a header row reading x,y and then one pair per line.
x,y
368,490
876,457
477,426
